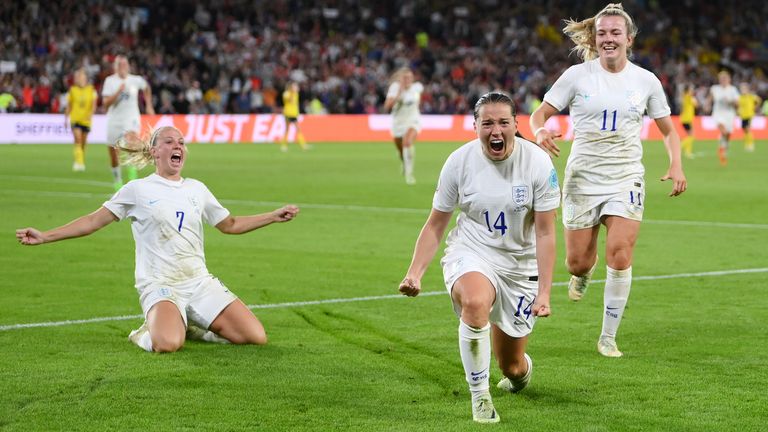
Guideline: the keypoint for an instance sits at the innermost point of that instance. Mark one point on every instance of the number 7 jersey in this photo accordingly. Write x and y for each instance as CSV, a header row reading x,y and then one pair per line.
x,y
167,222
497,200
607,113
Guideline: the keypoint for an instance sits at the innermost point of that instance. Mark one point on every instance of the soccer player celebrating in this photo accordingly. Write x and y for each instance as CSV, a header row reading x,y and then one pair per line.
x,y
291,114
724,99
120,95
179,297
81,104
403,99
500,256
607,96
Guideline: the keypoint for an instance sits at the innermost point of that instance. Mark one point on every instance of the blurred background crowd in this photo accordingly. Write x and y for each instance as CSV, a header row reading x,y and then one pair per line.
x,y
230,56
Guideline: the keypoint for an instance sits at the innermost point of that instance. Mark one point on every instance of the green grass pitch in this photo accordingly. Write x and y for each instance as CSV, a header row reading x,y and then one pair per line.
x,y
694,333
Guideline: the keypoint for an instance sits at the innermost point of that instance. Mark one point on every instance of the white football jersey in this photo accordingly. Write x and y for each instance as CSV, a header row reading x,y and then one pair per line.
x,y
724,100
497,200
125,110
607,113
167,223
406,108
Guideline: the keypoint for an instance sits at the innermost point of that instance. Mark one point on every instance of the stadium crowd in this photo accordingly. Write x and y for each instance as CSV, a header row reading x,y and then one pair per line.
x,y
236,57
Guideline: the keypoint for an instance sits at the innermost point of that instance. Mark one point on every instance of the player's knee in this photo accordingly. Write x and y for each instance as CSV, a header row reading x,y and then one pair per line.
x,y
514,369
578,266
475,306
167,343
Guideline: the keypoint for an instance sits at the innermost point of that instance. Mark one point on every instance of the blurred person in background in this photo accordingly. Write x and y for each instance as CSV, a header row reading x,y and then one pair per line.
x,y
291,114
748,105
403,98
120,95
687,115
724,100
81,104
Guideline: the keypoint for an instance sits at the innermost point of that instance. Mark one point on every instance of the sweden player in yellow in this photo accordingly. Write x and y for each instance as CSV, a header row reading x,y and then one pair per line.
x,y
81,104
687,113
291,114
748,103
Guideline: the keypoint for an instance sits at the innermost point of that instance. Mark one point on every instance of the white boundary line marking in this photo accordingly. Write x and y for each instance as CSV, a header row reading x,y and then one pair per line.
x,y
359,299
353,207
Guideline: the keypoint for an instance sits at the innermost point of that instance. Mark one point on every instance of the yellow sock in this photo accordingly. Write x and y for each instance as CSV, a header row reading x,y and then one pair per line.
x,y
687,145
302,142
284,143
79,155
749,140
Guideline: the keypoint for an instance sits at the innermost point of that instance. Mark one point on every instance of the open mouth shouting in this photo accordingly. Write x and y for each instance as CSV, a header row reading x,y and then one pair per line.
x,y
496,148
176,158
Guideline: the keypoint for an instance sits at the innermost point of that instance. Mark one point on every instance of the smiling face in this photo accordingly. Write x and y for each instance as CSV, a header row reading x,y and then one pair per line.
x,y
612,40
496,127
169,152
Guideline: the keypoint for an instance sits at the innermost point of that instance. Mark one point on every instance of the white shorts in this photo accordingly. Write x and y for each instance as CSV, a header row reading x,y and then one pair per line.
x,y
200,300
399,128
511,311
586,211
726,119
116,130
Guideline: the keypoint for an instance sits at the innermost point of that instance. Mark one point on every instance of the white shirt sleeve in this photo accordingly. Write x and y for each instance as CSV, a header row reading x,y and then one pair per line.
x,y
123,201
393,89
141,83
546,188
213,211
446,196
110,87
562,92
657,101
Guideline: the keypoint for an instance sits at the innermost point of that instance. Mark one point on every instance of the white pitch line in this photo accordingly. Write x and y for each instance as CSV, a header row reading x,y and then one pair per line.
x,y
360,299
353,207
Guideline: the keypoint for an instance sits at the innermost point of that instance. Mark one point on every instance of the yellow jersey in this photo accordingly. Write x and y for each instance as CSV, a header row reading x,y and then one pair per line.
x,y
290,104
81,102
688,108
747,104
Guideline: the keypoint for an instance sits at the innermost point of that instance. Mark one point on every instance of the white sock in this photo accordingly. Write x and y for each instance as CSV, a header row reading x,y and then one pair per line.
x,y
475,350
520,383
117,175
617,285
408,156
145,342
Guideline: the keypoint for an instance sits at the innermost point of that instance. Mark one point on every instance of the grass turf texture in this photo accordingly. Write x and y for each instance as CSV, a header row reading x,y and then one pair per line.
x,y
695,347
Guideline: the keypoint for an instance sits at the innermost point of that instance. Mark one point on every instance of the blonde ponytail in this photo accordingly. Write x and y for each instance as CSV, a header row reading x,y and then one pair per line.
x,y
135,150
583,33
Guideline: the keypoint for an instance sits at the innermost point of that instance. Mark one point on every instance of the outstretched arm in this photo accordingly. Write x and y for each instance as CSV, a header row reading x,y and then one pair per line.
x,y
672,142
543,137
429,240
79,227
544,222
244,224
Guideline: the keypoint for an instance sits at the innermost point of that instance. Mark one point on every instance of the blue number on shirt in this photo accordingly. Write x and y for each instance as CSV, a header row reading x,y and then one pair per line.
x,y
526,310
605,121
180,215
499,224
